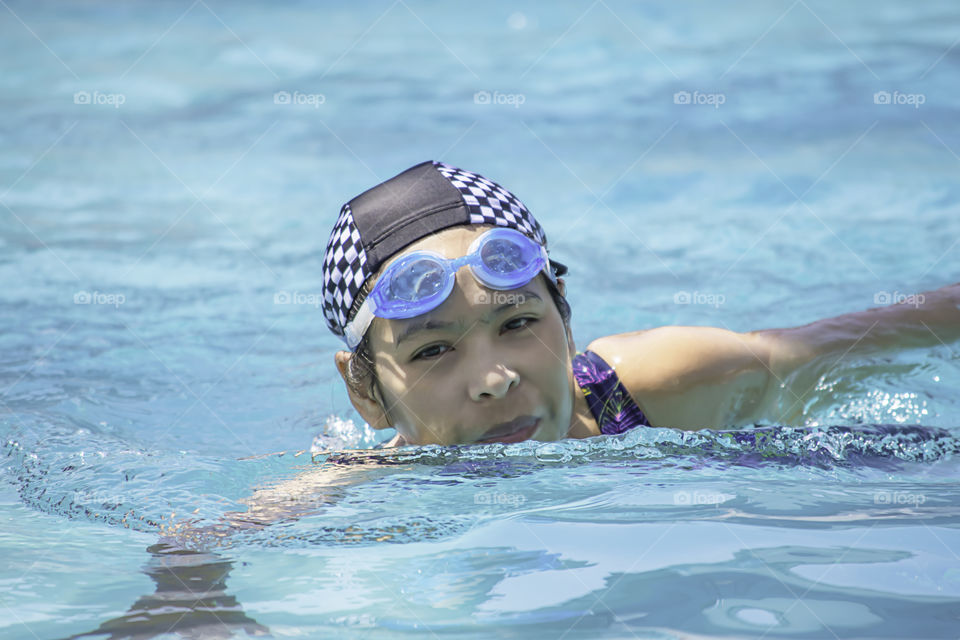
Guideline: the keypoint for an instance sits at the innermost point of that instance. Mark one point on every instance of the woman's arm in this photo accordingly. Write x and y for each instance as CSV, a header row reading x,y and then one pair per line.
x,y
697,377
304,494
308,492
925,320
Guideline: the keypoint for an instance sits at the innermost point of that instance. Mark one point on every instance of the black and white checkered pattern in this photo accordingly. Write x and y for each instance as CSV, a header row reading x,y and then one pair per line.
x,y
489,203
345,265
344,270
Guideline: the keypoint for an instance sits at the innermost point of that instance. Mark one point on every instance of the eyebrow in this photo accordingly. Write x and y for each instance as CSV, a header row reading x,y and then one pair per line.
x,y
416,327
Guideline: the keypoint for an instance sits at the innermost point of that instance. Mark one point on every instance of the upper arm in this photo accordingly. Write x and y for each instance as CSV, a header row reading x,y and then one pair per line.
x,y
698,377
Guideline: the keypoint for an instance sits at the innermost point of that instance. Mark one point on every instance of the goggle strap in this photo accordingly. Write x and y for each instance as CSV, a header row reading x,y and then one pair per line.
x,y
547,267
353,332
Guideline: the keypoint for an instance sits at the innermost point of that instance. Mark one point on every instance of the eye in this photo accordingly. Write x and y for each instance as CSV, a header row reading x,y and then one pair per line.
x,y
519,323
429,353
436,350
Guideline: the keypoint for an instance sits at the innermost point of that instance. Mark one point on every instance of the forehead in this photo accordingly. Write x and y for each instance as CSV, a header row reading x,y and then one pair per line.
x,y
452,242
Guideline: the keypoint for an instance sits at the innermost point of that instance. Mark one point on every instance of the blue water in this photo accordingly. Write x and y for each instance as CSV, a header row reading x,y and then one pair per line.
x,y
147,165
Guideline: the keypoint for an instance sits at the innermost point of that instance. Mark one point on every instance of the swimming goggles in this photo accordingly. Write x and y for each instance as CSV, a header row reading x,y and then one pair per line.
x,y
501,258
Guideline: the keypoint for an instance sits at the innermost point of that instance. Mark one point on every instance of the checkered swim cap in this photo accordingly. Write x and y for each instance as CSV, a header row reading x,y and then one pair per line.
x,y
422,200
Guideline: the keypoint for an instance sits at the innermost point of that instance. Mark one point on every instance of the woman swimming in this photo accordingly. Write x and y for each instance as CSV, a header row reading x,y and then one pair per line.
x,y
452,355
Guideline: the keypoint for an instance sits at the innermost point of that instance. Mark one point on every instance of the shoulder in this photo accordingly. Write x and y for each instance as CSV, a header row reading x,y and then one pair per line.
x,y
676,358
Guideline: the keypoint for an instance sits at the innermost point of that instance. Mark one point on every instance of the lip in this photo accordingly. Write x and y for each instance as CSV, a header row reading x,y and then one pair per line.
x,y
516,430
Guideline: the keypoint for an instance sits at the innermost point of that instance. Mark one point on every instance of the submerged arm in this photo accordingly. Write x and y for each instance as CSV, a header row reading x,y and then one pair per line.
x,y
299,496
696,377
306,493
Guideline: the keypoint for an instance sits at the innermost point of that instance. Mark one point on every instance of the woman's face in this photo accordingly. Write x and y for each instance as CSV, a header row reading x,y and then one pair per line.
x,y
486,365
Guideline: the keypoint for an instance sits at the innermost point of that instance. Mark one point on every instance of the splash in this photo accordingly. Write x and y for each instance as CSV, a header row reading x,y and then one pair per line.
x,y
67,467
776,444
339,434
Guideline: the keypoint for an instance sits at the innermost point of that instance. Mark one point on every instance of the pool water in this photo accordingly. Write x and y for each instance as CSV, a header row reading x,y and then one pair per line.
x,y
170,171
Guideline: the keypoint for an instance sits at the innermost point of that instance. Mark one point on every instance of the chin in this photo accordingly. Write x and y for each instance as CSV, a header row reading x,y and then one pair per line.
x,y
546,433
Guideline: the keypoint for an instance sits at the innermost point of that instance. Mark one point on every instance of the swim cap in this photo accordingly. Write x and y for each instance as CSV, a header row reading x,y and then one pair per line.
x,y
422,200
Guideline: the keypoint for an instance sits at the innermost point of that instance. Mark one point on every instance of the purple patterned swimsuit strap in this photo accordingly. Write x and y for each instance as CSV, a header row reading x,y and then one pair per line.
x,y
609,402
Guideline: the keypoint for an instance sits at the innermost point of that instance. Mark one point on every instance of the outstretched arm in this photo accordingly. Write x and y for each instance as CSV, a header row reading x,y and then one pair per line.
x,y
926,319
309,491
306,493
697,377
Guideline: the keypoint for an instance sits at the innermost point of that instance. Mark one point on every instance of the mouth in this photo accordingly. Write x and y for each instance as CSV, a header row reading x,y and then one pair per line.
x,y
514,431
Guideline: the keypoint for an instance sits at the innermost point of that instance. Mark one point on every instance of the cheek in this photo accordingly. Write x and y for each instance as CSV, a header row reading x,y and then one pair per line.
x,y
558,377
393,391
416,405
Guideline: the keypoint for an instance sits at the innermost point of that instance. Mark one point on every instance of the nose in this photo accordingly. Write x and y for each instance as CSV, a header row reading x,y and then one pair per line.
x,y
492,380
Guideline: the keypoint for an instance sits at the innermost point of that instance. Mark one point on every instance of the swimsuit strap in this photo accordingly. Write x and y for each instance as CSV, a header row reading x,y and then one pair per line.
x,y
611,405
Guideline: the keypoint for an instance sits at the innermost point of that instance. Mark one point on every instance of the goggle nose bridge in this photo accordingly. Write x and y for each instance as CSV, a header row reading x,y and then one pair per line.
x,y
473,260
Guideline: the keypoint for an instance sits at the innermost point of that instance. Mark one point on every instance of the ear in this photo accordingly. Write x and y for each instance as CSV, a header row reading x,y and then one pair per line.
x,y
368,405
562,287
